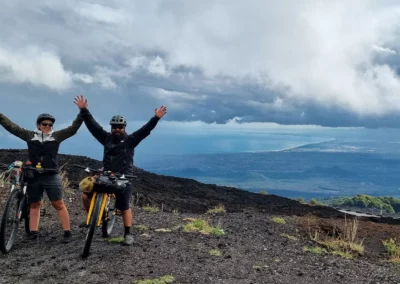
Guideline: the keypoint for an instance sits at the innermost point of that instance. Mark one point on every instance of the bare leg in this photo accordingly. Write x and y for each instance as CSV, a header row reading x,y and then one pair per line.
x,y
34,217
127,217
62,213
86,202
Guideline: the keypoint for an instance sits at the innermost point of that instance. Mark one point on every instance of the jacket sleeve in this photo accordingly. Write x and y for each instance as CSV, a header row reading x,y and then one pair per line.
x,y
15,129
137,136
94,128
66,133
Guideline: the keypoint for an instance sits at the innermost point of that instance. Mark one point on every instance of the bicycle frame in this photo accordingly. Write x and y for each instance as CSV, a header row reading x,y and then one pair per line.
x,y
102,208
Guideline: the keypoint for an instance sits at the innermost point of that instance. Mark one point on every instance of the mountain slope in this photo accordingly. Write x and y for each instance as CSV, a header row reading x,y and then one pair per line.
x,y
185,195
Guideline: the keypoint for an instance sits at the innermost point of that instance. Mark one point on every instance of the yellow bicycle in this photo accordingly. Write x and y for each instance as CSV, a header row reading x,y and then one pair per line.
x,y
102,212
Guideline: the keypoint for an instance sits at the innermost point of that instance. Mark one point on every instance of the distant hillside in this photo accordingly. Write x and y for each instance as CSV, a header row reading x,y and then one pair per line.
x,y
387,204
186,195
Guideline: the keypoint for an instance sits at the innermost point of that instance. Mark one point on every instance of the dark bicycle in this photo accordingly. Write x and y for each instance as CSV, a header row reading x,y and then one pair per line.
x,y
17,207
102,210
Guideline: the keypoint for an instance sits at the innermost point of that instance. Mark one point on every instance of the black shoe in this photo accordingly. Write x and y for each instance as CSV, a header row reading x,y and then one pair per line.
x,y
83,225
128,240
33,235
66,238
105,235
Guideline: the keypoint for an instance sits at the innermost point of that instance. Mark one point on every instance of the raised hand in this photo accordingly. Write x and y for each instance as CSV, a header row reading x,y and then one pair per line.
x,y
160,112
81,102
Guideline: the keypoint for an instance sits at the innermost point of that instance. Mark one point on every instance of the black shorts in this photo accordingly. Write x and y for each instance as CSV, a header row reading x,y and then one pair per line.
x,y
123,200
51,183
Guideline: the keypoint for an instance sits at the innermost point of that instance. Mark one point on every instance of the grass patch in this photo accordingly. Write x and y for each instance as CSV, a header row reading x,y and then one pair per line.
x,y
344,244
263,192
141,227
202,226
215,252
393,248
220,209
317,250
278,220
177,227
162,280
116,240
163,230
289,237
343,254
151,209
175,211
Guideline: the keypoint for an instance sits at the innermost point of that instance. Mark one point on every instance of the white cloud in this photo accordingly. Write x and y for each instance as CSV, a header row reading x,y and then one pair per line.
x,y
158,67
383,50
322,52
34,66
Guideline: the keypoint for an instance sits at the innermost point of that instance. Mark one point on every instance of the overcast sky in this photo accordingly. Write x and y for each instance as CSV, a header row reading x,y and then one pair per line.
x,y
329,63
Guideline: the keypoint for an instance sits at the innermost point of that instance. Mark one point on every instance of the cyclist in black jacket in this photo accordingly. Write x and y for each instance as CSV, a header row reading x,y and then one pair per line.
x,y
43,144
118,154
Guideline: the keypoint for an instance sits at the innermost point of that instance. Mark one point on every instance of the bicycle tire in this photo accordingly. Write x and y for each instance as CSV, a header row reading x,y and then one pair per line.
x,y
27,216
6,244
92,225
108,225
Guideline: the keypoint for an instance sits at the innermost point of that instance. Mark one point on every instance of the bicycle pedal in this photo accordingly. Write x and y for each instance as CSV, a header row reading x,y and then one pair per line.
x,y
42,212
118,213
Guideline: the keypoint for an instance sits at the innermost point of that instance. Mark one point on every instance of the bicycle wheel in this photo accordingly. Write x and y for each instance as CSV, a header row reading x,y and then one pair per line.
x,y
10,220
92,224
109,218
27,216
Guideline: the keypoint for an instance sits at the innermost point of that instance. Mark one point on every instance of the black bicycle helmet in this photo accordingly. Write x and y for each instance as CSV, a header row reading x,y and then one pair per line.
x,y
45,116
117,119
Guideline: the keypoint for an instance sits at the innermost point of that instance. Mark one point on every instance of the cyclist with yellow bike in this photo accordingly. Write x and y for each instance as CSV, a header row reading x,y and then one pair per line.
x,y
118,155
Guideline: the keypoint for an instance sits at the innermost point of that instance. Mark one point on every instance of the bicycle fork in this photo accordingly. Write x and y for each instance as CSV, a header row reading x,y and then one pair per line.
x,y
21,205
104,198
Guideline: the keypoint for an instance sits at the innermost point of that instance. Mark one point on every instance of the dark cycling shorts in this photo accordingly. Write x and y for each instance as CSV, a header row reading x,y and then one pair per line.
x,y
123,200
51,183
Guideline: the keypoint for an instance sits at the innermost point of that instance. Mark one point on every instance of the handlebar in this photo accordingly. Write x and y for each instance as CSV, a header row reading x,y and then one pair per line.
x,y
40,170
102,172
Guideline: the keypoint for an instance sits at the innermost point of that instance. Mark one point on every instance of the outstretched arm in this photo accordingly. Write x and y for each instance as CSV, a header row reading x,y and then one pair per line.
x,y
66,133
15,129
95,129
137,136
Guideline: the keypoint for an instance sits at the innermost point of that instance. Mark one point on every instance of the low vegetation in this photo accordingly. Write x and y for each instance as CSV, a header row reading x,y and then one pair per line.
x,y
162,280
317,250
215,252
392,246
219,209
163,230
116,240
344,244
300,199
151,209
389,205
263,192
202,226
288,236
278,220
141,227
313,201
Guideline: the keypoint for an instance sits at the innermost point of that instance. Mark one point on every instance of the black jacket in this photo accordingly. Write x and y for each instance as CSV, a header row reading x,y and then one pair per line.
x,y
42,147
118,151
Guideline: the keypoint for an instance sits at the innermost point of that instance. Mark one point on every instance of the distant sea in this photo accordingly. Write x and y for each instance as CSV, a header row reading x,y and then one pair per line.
x,y
341,163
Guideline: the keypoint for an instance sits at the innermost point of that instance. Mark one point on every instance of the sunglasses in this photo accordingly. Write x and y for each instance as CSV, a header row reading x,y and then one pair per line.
x,y
46,124
117,126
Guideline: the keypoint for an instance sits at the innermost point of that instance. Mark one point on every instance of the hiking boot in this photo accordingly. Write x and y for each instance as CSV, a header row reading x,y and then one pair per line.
x,y
128,240
83,225
66,238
